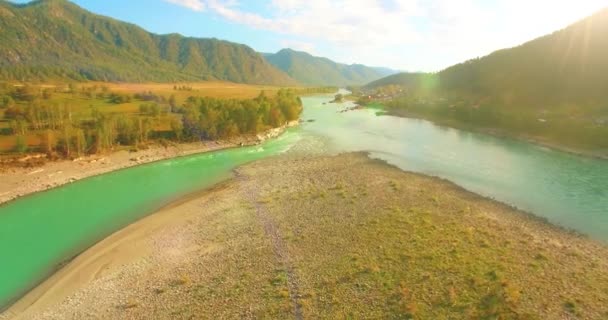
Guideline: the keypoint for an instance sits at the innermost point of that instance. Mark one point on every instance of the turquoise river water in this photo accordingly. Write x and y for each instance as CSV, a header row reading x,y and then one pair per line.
x,y
39,232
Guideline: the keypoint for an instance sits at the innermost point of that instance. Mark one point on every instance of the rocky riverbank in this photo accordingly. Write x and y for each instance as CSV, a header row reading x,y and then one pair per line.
x,y
17,181
330,237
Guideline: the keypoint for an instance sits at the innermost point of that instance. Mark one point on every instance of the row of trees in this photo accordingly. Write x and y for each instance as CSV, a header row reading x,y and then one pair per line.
x,y
79,137
207,118
550,124
313,90
62,131
27,94
10,95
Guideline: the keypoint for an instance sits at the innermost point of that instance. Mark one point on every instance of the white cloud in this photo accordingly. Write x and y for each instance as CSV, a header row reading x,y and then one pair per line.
x,y
409,34
196,5
339,22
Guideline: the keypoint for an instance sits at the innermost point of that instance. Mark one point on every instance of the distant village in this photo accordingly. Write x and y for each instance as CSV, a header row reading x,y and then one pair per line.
x,y
382,94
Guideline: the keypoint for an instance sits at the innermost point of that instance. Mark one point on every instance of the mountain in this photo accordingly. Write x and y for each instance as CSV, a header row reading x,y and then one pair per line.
x,y
566,67
310,70
402,79
56,39
553,89
386,71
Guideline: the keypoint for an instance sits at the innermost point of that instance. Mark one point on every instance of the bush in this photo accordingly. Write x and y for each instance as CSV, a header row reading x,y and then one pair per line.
x,y
119,99
25,93
6,101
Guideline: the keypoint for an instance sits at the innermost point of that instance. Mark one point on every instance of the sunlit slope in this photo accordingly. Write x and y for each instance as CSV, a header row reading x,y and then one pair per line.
x,y
566,68
56,39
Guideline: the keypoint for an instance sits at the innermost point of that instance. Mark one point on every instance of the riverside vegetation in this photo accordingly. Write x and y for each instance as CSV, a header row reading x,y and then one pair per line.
x,y
74,120
586,133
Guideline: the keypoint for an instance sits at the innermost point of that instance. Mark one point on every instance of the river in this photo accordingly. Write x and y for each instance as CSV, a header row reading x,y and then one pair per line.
x,y
39,232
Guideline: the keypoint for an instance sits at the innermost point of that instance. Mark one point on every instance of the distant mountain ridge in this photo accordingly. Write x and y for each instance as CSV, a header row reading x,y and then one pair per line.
x,y
310,70
56,39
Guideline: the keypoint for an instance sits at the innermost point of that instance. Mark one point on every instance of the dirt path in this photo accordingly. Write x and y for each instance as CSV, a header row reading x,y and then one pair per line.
x,y
279,247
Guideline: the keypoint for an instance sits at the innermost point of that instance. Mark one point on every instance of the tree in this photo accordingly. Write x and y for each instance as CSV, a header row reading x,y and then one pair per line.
x,y
276,118
48,142
47,94
21,144
229,129
65,141
209,123
251,117
172,102
144,108
144,127
178,128
190,120
363,100
19,126
80,142
119,99
155,110
127,132
25,93
104,132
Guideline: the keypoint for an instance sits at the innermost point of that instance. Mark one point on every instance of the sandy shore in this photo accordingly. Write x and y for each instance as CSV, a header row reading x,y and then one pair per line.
x,y
329,237
16,182
127,246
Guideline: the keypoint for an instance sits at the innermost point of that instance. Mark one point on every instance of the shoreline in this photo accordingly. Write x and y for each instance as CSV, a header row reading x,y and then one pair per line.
x,y
503,135
19,182
129,249
117,249
523,213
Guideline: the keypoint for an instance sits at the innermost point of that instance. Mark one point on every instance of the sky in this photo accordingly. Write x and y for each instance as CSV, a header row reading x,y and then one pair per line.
x,y
407,35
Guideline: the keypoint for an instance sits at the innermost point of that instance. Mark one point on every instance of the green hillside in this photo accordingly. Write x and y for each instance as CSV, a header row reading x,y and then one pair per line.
x,y
568,66
311,70
57,40
553,89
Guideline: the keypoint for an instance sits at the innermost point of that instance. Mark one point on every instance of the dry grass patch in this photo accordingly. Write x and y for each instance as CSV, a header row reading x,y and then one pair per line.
x,y
411,247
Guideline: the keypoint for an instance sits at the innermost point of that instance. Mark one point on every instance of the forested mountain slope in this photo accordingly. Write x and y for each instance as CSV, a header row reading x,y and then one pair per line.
x,y
566,67
311,70
56,39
